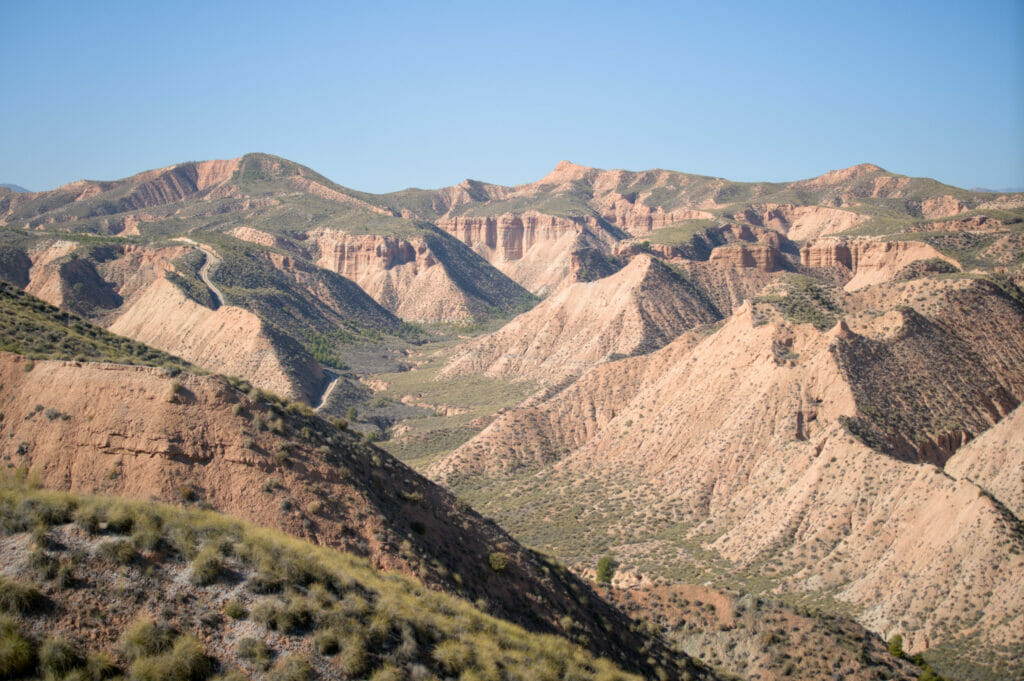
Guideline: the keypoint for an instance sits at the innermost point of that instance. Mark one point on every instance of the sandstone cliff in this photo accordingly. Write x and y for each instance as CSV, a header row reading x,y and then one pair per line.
x,y
801,223
430,277
533,249
870,261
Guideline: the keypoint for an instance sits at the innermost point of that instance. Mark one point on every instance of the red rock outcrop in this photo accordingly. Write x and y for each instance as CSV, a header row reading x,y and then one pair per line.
x,y
757,256
942,206
508,236
407,277
801,223
533,249
626,213
870,260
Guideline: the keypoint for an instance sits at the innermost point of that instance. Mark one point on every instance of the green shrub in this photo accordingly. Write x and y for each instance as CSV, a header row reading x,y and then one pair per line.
x,y
44,564
88,517
255,652
293,616
145,637
606,569
896,645
17,655
186,661
58,657
498,561
147,532
387,672
293,668
326,642
265,583
351,659
17,598
65,574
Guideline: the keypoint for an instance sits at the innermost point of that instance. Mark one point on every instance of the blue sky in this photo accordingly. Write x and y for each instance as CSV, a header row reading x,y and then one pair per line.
x,y
425,94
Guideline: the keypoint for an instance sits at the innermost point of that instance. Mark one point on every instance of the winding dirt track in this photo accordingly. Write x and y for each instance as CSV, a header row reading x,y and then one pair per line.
x,y
204,271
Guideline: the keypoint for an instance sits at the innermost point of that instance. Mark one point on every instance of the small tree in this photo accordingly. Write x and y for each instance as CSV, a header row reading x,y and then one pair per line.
x,y
606,569
896,645
498,561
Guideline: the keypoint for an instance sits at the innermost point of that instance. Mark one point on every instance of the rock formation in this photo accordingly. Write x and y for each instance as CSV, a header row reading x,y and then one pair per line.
x,y
642,307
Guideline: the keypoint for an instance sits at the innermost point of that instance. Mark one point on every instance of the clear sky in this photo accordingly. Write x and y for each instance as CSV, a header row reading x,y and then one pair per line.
x,y
380,96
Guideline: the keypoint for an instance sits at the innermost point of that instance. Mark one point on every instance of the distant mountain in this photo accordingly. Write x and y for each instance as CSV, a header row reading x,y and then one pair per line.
x,y
15,188
1004,190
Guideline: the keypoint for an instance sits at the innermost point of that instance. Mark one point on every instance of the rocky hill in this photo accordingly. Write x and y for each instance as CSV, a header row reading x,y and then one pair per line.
x,y
807,447
94,587
636,310
155,432
284,206
523,229
752,637
804,392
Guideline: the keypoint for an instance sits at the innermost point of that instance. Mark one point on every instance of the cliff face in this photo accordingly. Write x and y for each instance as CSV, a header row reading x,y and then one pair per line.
x,y
870,261
759,256
361,257
800,223
170,185
533,249
507,237
423,278
639,219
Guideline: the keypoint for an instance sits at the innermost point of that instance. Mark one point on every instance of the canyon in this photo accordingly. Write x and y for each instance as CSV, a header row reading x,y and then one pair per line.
x,y
800,394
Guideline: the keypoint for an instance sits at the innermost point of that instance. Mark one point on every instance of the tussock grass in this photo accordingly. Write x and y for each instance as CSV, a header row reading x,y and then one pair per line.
x,y
359,621
17,654
17,598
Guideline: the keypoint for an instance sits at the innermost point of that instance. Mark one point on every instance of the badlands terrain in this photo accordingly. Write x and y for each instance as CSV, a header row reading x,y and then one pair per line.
x,y
783,417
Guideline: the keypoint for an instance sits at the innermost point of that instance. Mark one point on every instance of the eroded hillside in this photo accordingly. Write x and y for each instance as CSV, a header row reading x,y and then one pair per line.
x,y
199,594
776,456
143,432
803,391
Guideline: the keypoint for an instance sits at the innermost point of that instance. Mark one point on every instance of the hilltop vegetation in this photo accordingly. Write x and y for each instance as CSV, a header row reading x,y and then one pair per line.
x,y
199,594
38,330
